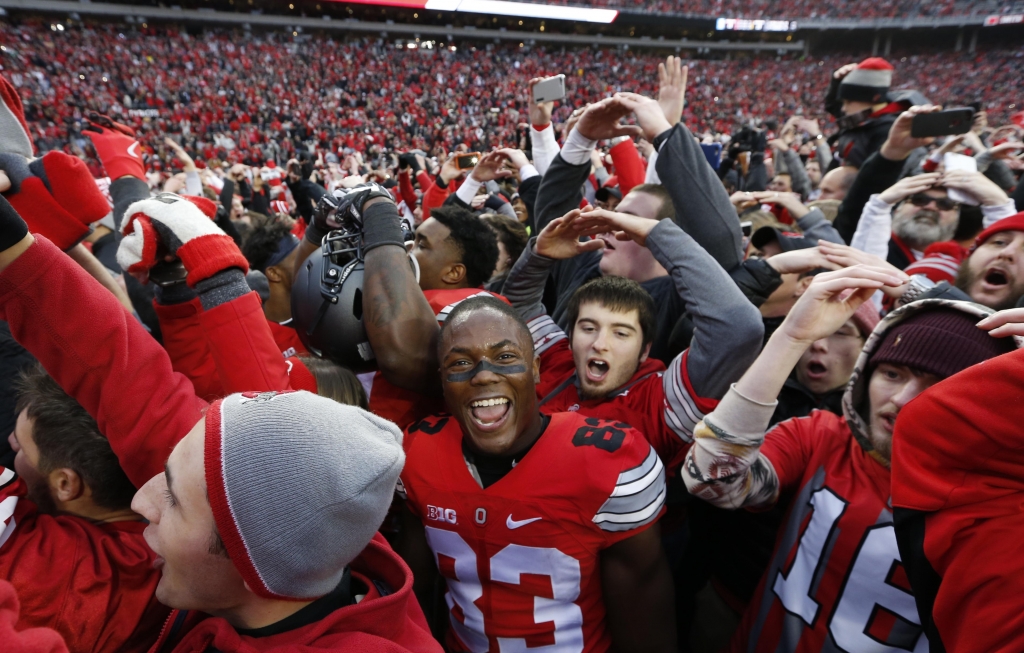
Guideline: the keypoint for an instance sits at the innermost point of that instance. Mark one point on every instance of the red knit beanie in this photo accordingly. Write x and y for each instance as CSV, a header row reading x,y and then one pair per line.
x,y
940,342
1013,223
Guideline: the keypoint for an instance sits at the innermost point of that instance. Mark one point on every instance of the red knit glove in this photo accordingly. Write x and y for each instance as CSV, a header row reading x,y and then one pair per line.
x,y
116,146
176,226
56,195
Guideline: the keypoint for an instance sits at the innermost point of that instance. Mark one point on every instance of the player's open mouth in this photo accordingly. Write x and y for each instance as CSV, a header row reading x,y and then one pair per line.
x,y
489,414
597,370
996,278
816,370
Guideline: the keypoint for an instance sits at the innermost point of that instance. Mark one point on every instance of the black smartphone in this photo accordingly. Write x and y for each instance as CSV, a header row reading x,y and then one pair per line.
x,y
467,161
942,123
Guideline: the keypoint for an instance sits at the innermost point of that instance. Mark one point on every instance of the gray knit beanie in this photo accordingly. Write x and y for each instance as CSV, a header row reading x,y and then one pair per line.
x,y
14,134
298,484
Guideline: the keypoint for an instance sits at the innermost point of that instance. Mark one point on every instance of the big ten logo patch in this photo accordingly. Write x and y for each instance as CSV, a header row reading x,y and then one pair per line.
x,y
446,515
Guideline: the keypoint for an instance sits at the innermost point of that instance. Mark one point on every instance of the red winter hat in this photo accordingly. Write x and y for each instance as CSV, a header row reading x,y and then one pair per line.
x,y
868,82
14,134
1013,223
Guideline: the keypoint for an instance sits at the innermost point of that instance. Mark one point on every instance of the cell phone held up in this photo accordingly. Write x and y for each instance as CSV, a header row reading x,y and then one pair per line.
x,y
942,123
467,161
549,90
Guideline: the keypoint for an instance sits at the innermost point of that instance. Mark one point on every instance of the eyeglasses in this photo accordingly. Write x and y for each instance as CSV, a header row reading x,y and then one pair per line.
x,y
921,200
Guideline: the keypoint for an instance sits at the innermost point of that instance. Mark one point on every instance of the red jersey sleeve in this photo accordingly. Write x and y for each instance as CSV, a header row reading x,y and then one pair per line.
x,y
405,188
185,342
790,445
243,348
629,167
100,355
630,473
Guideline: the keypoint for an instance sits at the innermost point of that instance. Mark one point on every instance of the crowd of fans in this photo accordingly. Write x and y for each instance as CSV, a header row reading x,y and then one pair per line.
x,y
250,98
346,346
804,9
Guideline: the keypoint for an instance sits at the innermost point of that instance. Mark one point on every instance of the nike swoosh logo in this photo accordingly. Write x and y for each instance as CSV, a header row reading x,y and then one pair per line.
x,y
133,149
513,524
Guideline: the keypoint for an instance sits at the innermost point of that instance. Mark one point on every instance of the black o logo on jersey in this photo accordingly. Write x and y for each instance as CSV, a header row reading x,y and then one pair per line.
x,y
429,427
603,435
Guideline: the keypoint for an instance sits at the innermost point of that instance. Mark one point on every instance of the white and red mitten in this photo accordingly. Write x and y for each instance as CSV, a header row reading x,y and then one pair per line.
x,y
180,226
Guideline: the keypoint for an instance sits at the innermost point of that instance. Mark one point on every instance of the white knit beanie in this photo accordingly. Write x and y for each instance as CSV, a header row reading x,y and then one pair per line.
x,y
298,484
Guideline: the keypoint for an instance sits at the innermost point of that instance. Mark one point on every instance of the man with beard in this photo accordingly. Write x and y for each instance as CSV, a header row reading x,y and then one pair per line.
x,y
924,214
67,493
991,273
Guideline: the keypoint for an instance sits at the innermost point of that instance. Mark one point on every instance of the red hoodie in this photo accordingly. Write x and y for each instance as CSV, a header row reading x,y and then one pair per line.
x,y
957,489
387,620
105,359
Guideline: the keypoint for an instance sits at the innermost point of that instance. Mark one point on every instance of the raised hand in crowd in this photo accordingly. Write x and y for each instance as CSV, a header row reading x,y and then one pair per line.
x,y
899,144
672,76
490,167
539,112
974,184
909,186
601,120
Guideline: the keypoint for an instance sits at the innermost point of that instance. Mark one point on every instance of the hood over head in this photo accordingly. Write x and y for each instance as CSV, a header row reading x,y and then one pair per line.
x,y
856,396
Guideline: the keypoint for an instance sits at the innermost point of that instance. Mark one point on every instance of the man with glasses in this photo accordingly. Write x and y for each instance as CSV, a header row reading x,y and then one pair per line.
x,y
900,223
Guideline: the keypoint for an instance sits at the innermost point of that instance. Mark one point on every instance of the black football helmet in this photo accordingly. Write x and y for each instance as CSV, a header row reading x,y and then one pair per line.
x,y
327,292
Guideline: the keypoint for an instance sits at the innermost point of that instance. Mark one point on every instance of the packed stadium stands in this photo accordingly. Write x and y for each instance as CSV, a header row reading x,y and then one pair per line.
x,y
227,91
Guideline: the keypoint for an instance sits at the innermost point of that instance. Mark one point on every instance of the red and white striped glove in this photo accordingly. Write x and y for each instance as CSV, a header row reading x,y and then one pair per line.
x,y
170,225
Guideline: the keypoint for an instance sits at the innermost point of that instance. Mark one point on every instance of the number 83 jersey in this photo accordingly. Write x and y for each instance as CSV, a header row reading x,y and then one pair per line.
x,y
521,557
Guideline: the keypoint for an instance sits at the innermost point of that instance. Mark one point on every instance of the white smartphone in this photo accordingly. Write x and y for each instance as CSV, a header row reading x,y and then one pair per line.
x,y
953,161
550,89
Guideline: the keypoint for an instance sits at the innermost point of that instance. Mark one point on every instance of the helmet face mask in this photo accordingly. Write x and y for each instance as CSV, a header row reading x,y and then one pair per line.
x,y
327,303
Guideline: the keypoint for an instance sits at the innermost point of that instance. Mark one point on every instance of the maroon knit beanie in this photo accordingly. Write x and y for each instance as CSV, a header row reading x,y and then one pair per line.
x,y
940,342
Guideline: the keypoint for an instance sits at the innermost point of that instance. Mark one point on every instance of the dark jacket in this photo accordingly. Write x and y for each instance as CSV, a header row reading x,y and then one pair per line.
x,y
875,175
795,400
853,145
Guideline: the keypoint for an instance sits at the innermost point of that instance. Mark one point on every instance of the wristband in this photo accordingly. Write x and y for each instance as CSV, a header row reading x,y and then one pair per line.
x,y
661,138
382,226
314,233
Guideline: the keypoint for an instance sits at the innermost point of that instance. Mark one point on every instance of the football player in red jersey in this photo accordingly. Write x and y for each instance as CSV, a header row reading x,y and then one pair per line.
x,y
602,368
543,526
836,581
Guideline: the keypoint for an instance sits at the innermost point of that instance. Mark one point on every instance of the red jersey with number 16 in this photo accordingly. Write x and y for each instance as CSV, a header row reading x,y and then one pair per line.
x,y
836,582
521,557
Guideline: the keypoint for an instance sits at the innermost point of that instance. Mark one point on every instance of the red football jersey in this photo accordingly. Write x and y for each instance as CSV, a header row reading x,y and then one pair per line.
x,y
287,338
836,581
401,406
659,402
521,558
